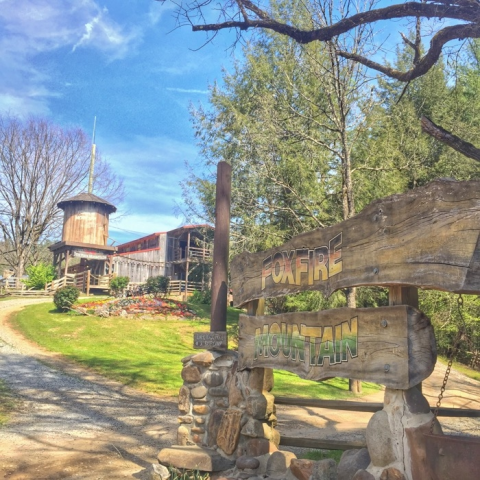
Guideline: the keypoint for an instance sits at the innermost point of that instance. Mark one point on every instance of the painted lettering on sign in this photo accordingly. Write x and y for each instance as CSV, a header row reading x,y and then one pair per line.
x,y
299,342
303,266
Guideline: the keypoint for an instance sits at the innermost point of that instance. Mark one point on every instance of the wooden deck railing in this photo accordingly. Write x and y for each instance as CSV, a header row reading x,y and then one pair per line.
x,y
194,253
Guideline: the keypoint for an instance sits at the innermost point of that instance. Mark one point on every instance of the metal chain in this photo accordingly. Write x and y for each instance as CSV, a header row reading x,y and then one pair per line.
x,y
450,362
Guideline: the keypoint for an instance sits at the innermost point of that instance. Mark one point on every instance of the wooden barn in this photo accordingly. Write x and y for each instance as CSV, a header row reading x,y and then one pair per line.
x,y
84,237
179,254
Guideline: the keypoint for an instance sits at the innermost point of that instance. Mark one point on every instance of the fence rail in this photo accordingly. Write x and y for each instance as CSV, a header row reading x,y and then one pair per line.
x,y
15,286
321,444
178,287
194,253
351,406
175,287
366,406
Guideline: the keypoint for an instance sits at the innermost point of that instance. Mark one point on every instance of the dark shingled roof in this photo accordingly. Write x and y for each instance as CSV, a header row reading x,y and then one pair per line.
x,y
90,198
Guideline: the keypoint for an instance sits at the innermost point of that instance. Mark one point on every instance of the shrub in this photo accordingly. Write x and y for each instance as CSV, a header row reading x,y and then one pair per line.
x,y
159,284
65,297
39,275
117,284
204,297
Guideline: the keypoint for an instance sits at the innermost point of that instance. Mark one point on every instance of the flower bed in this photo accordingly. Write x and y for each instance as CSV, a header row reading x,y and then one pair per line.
x,y
136,306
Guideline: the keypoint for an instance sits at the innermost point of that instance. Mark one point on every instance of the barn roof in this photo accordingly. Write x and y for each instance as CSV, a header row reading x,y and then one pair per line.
x,y
88,198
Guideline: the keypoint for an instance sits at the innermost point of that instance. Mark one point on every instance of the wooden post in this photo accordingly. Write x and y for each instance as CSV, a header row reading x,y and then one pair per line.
x,y
187,253
399,295
67,258
218,321
256,307
88,282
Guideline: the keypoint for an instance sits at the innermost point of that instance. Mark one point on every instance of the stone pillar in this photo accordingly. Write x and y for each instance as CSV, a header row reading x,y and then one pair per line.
x,y
395,438
225,409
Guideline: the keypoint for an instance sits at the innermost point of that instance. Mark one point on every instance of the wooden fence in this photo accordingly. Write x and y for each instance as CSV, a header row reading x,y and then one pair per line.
x,y
368,407
15,286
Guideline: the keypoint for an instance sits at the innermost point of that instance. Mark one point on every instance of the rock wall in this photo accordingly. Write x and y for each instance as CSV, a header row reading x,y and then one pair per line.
x,y
231,415
225,409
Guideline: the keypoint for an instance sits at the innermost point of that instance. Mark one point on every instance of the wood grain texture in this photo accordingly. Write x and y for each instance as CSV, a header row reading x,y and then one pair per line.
x,y
426,238
393,346
85,222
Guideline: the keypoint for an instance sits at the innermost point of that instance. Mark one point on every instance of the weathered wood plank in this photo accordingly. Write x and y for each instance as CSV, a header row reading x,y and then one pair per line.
x,y
321,444
393,346
367,406
427,238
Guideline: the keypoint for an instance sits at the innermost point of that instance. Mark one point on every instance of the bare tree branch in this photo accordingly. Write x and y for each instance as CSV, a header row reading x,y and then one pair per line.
x,y
243,15
444,136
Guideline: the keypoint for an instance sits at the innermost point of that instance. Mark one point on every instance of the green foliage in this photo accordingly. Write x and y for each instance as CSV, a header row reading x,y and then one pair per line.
x,y
158,285
368,297
182,474
454,324
287,122
400,155
39,275
65,297
118,284
204,297
322,455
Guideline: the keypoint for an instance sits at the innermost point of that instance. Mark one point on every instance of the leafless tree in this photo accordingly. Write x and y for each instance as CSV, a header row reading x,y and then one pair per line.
x,y
447,20
41,164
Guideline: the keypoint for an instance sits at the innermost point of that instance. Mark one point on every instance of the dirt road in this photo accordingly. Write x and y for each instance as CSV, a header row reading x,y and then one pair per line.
x,y
74,424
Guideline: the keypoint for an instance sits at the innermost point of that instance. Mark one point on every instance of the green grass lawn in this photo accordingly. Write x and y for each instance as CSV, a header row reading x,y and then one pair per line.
x,y
146,354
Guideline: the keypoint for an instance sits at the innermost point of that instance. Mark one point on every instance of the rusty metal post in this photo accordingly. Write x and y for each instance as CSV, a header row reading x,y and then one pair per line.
x,y
218,318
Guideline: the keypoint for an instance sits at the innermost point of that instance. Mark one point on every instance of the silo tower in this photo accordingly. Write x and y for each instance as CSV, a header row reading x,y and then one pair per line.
x,y
84,237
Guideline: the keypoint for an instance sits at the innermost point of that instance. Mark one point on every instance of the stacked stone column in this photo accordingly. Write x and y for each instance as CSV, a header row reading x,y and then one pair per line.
x,y
395,437
226,409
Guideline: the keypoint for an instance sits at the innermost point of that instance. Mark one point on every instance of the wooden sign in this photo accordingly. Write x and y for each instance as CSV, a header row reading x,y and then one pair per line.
x,y
393,346
210,340
426,238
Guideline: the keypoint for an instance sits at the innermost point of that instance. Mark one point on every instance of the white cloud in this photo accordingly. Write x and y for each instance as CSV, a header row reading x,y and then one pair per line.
x,y
102,33
29,29
187,90
22,106
157,11
151,168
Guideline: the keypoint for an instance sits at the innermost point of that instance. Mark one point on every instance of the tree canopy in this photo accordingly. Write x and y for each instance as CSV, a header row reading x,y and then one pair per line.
x,y
442,23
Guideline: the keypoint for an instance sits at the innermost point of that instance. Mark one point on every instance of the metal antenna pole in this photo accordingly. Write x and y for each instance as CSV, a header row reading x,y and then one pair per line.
x,y
92,157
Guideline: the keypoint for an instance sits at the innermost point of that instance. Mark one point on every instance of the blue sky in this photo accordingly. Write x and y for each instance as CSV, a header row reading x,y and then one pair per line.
x,y
124,62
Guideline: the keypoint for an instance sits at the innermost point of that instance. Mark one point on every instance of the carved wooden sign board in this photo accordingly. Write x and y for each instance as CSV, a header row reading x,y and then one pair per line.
x,y
426,238
393,346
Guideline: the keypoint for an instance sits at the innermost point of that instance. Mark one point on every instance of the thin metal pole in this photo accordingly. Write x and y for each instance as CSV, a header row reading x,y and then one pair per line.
x,y
92,158
218,319
187,266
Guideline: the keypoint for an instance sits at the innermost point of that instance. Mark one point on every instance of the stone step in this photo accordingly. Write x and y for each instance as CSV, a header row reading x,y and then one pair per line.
x,y
194,458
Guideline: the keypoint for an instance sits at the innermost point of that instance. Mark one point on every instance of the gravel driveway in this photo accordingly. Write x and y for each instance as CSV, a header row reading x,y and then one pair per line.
x,y
74,424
